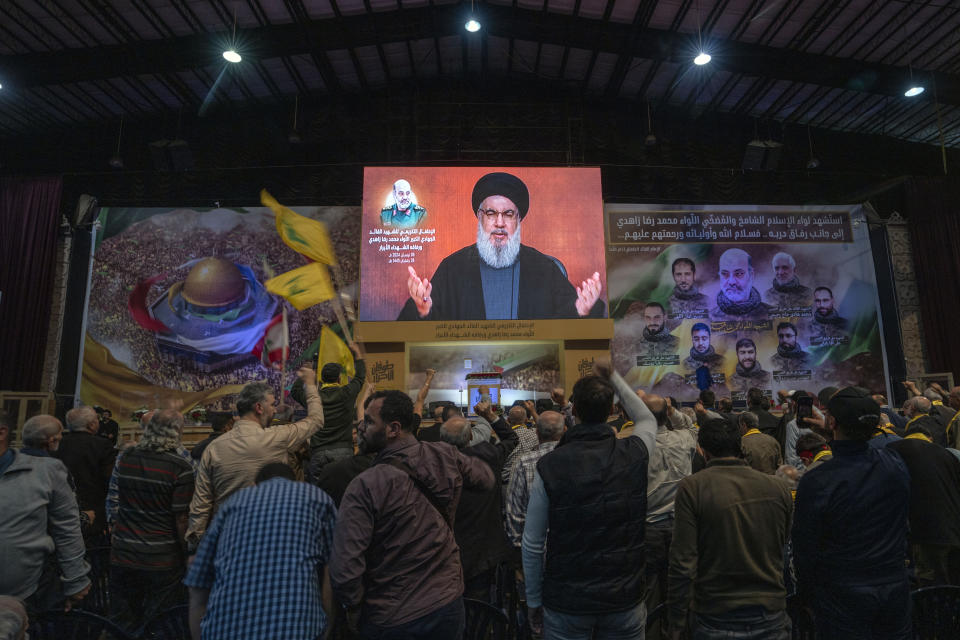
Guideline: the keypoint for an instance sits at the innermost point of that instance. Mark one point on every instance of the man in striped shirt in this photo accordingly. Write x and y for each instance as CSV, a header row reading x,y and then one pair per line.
x,y
155,485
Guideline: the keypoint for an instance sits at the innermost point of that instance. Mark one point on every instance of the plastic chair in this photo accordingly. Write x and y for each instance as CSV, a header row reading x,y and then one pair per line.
x,y
484,621
936,613
172,624
98,600
76,624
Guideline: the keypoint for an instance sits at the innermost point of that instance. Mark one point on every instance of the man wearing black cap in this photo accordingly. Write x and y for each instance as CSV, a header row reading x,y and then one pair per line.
x,y
498,278
335,440
850,529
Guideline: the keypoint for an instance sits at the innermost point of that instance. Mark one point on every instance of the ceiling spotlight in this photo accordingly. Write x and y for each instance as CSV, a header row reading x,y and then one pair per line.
x,y
472,25
813,163
1,86
913,91
231,56
702,59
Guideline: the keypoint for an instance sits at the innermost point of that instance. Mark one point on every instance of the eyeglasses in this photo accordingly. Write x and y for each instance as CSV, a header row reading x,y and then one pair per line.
x,y
491,214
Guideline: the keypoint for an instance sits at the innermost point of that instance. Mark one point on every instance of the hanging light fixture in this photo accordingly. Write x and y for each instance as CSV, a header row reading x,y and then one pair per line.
x,y
116,161
294,136
702,57
812,163
231,55
651,139
472,25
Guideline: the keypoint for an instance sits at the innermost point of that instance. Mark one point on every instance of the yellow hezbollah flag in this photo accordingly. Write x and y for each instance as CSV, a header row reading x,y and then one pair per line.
x,y
333,349
303,235
304,286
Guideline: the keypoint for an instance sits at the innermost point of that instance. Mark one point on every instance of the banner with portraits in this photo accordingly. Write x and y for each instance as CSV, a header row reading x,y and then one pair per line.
x,y
737,297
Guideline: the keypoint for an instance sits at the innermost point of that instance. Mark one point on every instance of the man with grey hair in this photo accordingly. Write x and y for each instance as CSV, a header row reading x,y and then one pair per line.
x,y
231,461
738,299
478,526
147,558
517,420
41,436
550,428
786,291
918,412
89,459
39,519
761,451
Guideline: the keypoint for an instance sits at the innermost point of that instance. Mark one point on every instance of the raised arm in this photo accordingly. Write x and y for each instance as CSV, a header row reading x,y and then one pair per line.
x,y
424,390
295,434
644,424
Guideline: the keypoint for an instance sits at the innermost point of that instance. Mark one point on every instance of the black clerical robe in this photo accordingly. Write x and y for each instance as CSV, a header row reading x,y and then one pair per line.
x,y
545,292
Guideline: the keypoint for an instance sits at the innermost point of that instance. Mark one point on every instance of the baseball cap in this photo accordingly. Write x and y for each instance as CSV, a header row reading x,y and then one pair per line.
x,y
851,406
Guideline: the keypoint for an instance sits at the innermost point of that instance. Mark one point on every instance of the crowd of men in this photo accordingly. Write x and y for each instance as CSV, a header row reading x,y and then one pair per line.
x,y
606,504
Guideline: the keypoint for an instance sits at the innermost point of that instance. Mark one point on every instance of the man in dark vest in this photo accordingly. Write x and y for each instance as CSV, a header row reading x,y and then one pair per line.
x,y
583,541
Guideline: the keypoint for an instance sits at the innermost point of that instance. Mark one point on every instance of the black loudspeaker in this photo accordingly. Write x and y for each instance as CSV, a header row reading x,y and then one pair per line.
x,y
762,155
171,155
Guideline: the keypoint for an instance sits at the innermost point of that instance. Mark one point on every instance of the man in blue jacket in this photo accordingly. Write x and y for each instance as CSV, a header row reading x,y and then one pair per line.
x,y
850,529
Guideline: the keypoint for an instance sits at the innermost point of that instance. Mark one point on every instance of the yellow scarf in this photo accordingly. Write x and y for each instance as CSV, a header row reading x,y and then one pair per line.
x,y
950,426
825,452
751,432
918,436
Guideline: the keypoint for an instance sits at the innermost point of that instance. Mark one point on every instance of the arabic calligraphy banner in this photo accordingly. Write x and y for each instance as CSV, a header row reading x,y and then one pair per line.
x,y
748,296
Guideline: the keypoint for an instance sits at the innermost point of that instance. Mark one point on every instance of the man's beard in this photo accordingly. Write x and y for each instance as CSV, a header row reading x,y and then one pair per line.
x,y
495,256
375,443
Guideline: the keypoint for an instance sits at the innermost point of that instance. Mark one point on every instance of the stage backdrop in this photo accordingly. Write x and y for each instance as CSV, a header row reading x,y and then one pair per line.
x,y
751,296
563,222
200,273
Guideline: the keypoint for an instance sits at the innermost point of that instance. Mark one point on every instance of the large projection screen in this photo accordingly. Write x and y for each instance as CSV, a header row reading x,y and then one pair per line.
x,y
425,219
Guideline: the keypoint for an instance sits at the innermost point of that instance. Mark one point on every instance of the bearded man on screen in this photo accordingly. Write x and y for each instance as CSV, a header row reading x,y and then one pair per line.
x,y
498,278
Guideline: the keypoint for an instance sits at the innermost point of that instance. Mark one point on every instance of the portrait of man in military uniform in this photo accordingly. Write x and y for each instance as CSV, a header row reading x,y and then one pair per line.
x,y
686,301
656,342
749,373
404,212
702,352
827,327
790,355
787,292
738,299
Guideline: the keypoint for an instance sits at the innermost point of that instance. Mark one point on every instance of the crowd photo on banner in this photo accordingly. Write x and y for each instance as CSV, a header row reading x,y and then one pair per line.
x,y
665,422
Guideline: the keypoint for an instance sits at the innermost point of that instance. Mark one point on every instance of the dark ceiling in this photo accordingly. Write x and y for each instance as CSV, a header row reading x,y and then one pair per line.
x,y
830,64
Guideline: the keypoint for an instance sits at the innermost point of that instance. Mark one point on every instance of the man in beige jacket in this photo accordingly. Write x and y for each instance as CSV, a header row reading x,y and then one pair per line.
x,y
232,461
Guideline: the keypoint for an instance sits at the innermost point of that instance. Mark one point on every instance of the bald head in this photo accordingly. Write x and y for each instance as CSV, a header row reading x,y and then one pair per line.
x,y
456,431
516,416
917,406
42,432
82,419
658,407
550,426
954,398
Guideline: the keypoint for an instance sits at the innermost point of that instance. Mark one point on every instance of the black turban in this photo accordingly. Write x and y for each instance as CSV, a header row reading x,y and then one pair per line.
x,y
502,184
